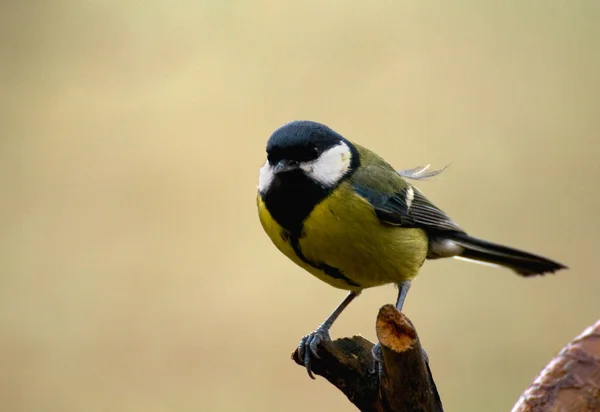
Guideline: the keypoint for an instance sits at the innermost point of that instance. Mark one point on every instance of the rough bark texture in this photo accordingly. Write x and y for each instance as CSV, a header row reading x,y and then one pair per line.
x,y
571,381
406,382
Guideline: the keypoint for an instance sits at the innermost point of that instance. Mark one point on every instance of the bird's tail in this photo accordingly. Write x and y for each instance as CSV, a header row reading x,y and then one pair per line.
x,y
524,263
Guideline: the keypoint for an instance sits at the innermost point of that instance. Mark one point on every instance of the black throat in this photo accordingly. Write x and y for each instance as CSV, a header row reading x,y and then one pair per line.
x,y
291,198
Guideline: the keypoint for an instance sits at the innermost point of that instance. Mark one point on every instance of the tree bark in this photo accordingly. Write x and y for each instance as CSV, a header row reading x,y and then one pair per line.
x,y
405,384
571,381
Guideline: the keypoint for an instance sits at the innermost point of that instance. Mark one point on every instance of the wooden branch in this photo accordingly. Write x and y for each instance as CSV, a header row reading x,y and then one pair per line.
x,y
406,382
571,381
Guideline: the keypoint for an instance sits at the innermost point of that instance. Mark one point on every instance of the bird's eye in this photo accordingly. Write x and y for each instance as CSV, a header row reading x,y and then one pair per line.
x,y
315,150
273,156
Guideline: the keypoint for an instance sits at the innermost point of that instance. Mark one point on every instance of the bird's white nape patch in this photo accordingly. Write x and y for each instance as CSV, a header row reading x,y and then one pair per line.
x,y
265,177
330,166
410,195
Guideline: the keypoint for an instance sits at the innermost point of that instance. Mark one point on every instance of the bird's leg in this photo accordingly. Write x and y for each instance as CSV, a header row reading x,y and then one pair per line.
x,y
309,344
403,288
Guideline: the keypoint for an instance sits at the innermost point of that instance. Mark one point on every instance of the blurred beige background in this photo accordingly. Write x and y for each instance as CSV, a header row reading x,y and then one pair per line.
x,y
134,273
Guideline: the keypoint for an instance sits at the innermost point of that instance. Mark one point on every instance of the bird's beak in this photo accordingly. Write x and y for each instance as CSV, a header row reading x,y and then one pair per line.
x,y
285,166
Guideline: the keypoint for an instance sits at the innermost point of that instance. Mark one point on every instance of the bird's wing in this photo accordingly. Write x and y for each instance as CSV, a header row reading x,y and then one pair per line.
x,y
404,206
396,201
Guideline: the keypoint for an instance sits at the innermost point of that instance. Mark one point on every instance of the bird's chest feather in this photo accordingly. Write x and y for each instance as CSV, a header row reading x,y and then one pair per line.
x,y
343,232
342,229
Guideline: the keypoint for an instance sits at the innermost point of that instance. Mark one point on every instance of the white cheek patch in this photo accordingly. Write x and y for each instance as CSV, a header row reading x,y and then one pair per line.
x,y
330,167
265,177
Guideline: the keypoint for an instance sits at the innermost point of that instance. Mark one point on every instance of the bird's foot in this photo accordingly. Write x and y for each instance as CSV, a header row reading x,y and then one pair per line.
x,y
377,359
307,349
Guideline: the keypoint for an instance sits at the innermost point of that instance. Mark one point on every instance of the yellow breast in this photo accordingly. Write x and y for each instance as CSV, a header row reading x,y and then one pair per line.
x,y
343,232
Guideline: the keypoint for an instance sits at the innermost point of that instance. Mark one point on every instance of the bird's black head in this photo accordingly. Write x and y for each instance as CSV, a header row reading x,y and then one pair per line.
x,y
301,141
305,143
305,162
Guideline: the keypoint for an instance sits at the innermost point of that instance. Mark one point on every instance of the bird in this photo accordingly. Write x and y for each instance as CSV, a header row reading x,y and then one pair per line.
x,y
348,217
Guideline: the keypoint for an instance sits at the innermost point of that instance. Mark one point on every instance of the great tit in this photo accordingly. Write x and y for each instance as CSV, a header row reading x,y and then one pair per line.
x,y
348,217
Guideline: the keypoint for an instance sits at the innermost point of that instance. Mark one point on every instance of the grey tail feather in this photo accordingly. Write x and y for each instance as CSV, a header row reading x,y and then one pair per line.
x,y
524,263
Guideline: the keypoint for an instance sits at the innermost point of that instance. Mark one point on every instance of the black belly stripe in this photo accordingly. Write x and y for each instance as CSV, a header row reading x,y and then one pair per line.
x,y
329,270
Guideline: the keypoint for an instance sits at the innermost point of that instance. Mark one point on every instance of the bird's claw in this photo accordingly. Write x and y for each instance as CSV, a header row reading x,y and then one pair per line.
x,y
377,359
308,347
